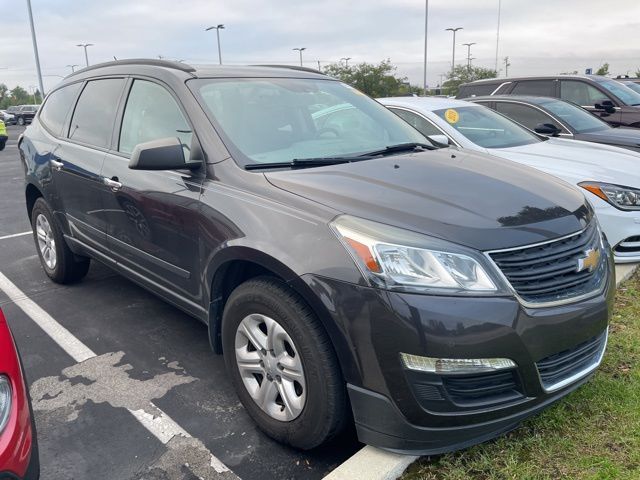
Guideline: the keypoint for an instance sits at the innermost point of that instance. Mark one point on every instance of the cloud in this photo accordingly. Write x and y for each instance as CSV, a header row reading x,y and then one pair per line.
x,y
539,37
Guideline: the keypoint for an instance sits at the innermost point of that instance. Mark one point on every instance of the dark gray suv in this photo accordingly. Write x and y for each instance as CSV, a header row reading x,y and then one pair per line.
x,y
346,267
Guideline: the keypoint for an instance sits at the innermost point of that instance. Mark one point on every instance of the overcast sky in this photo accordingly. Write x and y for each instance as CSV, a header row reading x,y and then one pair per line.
x,y
541,36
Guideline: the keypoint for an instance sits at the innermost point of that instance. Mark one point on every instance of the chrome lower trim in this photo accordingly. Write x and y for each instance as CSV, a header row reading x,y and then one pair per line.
x,y
579,375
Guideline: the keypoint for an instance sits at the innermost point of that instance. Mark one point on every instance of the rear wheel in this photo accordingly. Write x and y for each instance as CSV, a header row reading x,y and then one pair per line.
x,y
58,261
282,364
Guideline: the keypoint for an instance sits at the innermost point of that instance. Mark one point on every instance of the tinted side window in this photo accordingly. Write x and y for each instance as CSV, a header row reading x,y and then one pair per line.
x,y
536,88
580,93
417,122
95,112
151,114
477,90
523,114
55,110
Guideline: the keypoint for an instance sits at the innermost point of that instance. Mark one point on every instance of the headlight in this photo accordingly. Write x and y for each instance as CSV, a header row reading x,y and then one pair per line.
x,y
398,259
624,198
5,401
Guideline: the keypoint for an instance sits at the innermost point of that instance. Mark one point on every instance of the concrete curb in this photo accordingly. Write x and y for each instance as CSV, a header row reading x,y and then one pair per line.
x,y
371,463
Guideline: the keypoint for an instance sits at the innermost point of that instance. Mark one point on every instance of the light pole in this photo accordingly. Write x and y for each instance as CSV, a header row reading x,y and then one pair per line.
x,y
32,89
426,26
217,28
498,34
468,45
73,67
35,47
506,66
346,61
86,56
300,49
453,57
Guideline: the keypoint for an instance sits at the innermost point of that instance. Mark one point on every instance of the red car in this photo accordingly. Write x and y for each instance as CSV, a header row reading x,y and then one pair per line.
x,y
18,447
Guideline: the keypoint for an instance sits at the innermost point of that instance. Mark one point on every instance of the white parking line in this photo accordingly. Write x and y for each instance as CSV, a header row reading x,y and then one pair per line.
x,y
16,235
161,426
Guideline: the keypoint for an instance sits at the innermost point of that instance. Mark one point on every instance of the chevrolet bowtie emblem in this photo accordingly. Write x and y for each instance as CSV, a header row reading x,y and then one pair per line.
x,y
589,261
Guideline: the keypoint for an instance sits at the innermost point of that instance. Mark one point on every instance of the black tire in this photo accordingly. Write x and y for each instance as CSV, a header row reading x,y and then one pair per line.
x,y
325,411
21,121
69,267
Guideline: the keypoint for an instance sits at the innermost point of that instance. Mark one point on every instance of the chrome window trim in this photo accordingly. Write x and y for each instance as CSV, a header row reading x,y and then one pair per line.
x,y
578,375
555,303
499,87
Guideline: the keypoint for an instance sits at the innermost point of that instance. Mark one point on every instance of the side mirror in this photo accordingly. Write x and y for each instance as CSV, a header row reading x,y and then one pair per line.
x,y
162,154
606,105
547,129
439,140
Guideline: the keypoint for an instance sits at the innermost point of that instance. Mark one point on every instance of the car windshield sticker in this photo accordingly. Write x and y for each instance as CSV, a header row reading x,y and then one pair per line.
x,y
451,116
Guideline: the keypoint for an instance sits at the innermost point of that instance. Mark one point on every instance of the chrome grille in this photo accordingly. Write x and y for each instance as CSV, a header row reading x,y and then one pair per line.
x,y
549,272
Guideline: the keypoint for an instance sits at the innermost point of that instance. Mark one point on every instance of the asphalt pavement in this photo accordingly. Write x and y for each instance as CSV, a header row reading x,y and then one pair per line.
x,y
145,398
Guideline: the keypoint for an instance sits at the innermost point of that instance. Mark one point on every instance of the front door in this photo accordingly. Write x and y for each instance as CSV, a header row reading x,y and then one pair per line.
x,y
152,226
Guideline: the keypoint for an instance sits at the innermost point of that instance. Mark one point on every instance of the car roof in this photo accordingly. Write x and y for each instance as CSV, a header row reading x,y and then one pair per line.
x,y
540,77
522,98
429,103
146,66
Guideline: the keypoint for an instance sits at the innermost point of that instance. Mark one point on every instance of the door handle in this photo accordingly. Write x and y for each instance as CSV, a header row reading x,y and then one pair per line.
x,y
56,164
112,183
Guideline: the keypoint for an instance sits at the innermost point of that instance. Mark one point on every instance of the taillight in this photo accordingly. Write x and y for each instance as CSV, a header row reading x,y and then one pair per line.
x,y
5,401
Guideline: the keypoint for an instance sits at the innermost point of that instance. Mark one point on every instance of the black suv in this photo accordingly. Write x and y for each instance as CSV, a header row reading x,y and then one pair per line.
x,y
345,266
23,114
613,102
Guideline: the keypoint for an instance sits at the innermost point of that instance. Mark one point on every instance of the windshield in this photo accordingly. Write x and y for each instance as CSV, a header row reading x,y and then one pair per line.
x,y
633,86
577,118
266,120
486,128
624,93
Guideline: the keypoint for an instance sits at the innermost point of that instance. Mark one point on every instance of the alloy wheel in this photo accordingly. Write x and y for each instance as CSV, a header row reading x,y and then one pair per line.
x,y
46,242
270,367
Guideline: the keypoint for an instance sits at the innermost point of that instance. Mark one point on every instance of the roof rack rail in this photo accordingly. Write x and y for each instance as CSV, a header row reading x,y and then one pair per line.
x,y
292,67
138,61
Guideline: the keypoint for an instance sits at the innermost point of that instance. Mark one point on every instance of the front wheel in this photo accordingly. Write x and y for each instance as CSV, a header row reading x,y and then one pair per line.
x,y
58,261
282,364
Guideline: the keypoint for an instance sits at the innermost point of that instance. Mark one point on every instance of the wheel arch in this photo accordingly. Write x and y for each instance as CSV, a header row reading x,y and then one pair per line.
x,y
236,265
32,193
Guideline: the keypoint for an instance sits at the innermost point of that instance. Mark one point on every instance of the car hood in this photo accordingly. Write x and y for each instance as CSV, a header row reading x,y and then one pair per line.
x,y
468,198
576,161
629,137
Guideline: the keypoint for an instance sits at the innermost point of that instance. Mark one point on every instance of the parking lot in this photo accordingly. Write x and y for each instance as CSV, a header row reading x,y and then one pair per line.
x,y
150,401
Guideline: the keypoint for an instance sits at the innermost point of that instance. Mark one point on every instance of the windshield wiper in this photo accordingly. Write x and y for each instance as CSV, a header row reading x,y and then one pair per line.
x,y
401,147
307,162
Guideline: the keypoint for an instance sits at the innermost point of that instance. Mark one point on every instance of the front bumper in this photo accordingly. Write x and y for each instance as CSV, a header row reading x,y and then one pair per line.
x,y
416,412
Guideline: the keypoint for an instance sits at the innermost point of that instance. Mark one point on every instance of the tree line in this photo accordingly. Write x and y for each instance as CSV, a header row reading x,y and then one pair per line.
x,y
17,96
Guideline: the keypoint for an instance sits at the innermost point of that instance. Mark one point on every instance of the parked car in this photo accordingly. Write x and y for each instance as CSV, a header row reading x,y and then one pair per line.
x,y
24,114
348,265
609,176
557,118
18,444
606,98
5,116
12,112
3,135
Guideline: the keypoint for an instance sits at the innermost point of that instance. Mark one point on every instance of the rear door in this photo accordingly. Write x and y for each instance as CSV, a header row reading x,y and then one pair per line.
x,y
152,227
78,158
